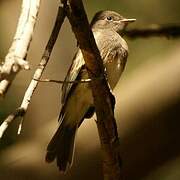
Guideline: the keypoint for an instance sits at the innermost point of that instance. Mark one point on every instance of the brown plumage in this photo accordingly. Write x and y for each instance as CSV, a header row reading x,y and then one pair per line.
x,y
77,101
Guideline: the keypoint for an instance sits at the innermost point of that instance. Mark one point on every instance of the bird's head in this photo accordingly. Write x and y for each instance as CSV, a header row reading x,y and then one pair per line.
x,y
110,20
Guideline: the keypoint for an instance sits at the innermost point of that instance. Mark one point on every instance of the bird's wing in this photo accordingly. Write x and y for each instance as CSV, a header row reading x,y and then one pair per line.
x,y
72,74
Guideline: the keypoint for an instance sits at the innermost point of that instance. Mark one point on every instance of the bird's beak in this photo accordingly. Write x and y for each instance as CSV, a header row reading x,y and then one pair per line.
x,y
127,20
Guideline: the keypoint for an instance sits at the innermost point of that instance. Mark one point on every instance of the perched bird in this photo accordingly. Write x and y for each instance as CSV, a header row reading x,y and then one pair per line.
x,y
77,101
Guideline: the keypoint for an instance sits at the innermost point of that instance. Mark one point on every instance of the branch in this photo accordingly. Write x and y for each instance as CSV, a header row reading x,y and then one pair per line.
x,y
102,96
66,82
37,75
15,60
169,31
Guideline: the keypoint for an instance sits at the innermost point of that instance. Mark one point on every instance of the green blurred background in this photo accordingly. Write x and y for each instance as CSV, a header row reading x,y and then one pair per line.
x,y
147,105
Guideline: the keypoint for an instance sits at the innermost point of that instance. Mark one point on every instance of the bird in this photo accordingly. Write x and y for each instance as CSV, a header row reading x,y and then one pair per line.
x,y
77,100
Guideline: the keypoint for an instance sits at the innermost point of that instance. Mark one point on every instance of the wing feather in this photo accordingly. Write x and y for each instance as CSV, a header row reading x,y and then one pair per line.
x,y
72,74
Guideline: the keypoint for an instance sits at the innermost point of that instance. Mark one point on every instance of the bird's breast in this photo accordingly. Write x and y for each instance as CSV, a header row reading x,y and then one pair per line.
x,y
114,51
114,69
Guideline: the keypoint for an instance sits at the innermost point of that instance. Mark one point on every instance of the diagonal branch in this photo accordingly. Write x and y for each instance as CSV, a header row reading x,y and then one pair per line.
x,y
20,112
102,96
168,30
15,60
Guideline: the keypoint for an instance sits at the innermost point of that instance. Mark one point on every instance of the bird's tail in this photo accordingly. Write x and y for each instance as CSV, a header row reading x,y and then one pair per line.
x,y
61,146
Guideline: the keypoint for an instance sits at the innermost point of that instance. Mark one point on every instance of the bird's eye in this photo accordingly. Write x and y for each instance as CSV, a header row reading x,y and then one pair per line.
x,y
109,18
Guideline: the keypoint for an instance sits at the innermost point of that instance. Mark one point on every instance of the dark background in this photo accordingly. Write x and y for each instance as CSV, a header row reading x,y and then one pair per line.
x,y
147,108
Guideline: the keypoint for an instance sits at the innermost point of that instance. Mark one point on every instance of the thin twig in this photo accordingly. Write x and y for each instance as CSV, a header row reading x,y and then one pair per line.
x,y
67,82
17,113
16,57
38,73
167,30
